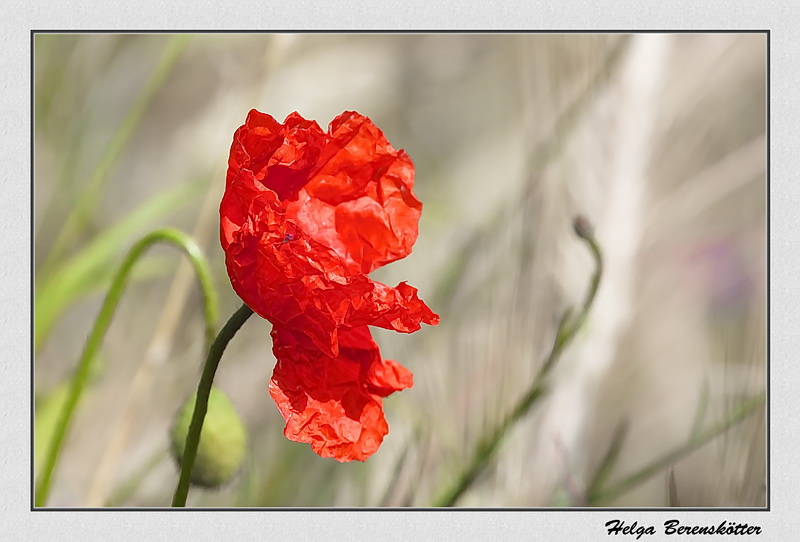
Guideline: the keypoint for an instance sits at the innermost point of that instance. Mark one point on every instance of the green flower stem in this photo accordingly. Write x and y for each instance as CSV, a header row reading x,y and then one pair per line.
x,y
566,332
201,403
600,497
101,324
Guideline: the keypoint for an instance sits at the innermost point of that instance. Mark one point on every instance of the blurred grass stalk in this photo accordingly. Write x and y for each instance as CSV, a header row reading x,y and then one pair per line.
x,y
567,329
597,495
157,354
60,283
90,270
101,324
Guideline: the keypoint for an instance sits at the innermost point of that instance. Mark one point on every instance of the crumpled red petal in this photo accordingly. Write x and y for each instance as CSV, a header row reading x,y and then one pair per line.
x,y
360,202
305,216
334,403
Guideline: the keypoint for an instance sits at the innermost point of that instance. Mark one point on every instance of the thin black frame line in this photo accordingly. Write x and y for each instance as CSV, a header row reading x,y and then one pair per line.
x,y
406,31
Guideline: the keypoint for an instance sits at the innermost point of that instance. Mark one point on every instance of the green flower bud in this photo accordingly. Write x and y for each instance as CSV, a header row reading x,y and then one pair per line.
x,y
222,440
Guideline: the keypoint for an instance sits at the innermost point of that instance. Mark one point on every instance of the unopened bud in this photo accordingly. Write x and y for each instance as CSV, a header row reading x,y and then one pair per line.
x,y
583,228
222,440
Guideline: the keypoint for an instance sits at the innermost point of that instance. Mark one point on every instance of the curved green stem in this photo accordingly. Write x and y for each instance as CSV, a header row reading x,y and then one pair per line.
x,y
101,324
567,330
201,403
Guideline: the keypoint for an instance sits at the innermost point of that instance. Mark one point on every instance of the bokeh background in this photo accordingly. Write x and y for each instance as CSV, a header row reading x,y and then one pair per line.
x,y
660,140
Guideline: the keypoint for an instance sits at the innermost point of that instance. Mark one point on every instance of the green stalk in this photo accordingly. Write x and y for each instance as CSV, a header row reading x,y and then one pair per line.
x,y
744,409
90,195
101,324
201,403
566,332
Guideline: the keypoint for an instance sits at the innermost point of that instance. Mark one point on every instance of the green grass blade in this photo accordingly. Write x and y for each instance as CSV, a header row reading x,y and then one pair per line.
x,y
92,345
91,269
94,188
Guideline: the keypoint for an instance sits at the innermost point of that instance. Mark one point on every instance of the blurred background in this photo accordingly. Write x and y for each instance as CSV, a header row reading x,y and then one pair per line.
x,y
658,139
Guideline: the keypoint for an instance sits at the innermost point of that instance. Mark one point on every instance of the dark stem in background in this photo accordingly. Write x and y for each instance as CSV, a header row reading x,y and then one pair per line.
x,y
567,330
201,403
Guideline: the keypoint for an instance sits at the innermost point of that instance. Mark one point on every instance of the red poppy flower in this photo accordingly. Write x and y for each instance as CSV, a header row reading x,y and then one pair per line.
x,y
305,216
